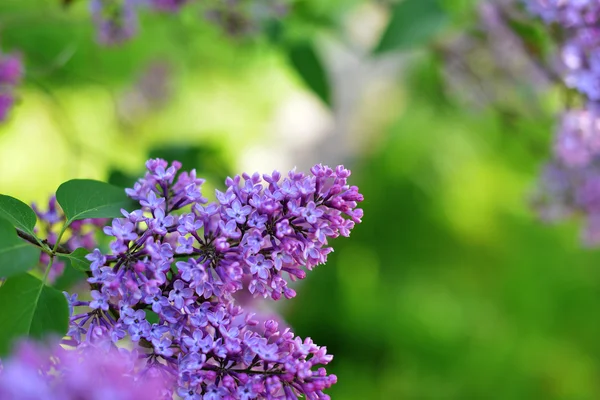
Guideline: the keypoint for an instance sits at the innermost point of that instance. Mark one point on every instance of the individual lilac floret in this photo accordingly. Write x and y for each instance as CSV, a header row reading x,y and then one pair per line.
x,y
175,264
116,20
87,373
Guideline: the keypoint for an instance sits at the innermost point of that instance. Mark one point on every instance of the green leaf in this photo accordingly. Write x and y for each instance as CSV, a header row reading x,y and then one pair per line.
x,y
152,317
19,214
307,63
85,198
78,260
70,277
76,266
30,308
16,255
413,23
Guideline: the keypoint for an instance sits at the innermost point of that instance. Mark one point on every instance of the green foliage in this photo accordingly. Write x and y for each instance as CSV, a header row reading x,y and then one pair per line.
x,y
413,23
534,36
307,63
84,198
76,266
70,277
30,308
19,214
16,255
152,317
451,288
78,260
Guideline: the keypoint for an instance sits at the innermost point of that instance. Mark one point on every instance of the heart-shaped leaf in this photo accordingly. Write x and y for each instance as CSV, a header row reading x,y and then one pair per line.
x,y
16,255
85,198
19,214
30,308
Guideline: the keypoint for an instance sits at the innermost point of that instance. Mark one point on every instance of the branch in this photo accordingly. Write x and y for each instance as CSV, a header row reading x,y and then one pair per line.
x,y
33,240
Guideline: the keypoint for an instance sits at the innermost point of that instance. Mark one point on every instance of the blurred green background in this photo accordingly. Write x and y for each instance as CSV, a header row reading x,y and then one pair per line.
x,y
451,288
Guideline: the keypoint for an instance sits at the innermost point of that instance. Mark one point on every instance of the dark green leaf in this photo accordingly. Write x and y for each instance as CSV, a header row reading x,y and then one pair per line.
x,y
16,255
273,30
19,214
84,198
30,308
78,260
70,277
413,23
152,317
307,63
75,267
120,178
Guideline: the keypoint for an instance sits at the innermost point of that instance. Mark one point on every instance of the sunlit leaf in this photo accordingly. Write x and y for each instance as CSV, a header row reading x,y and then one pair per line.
x,y
19,214
84,198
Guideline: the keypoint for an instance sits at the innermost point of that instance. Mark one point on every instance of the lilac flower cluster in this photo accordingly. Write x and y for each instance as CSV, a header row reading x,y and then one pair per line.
x,y
568,13
577,139
11,72
570,182
87,373
175,264
565,191
117,20
580,52
79,234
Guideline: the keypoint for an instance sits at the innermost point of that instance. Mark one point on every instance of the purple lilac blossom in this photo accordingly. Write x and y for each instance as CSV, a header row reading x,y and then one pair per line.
x,y
86,373
262,230
564,191
580,52
11,73
578,137
568,13
571,183
116,20
11,70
